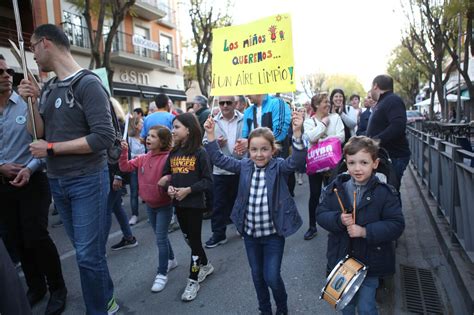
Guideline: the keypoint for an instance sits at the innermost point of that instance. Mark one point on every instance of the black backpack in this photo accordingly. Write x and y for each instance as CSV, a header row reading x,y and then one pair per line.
x,y
113,152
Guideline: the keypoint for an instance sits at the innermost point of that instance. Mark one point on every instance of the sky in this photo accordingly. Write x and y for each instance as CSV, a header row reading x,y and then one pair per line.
x,y
333,36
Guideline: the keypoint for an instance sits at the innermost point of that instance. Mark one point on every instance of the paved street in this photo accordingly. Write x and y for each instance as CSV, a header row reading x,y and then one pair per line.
x,y
229,290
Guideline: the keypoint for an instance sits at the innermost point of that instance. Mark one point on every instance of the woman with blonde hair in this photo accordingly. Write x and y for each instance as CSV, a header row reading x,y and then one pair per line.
x,y
320,126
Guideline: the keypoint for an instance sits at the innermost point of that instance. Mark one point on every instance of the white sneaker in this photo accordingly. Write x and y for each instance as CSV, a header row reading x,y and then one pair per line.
x,y
159,283
204,271
172,263
133,220
191,290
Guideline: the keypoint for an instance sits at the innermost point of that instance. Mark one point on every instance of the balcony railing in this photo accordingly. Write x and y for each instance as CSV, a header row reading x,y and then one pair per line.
x,y
79,36
123,43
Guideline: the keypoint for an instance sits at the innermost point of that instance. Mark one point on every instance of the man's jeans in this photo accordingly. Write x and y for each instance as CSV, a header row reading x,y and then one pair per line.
x,y
265,255
134,192
364,299
160,219
399,165
114,204
225,192
82,205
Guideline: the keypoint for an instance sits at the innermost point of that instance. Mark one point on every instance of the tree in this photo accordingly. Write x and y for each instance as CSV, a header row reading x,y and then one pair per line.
x,y
189,74
429,24
348,83
461,62
313,83
97,11
407,74
203,21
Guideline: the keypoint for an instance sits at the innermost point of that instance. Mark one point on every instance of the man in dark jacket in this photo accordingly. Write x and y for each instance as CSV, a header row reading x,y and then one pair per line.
x,y
201,109
388,123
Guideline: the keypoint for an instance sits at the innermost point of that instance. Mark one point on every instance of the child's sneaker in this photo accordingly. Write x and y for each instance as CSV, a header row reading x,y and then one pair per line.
x,y
191,290
160,283
205,271
172,263
112,307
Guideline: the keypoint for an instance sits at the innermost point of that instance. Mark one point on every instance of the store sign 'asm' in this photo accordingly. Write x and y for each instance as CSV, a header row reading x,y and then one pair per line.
x,y
134,77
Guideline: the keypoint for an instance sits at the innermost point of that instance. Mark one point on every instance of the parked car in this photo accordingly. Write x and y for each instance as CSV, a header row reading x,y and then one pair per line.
x,y
414,115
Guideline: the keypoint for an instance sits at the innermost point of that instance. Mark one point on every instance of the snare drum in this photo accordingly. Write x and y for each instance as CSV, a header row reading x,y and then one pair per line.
x,y
343,282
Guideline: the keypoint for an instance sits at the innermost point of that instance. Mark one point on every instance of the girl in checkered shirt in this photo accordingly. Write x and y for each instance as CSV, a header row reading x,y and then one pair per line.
x,y
264,211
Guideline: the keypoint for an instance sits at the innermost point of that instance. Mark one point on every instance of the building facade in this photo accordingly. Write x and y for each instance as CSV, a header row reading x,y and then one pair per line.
x,y
145,55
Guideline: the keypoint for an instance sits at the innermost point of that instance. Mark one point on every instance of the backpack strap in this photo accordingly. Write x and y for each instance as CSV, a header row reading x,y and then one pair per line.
x,y
70,99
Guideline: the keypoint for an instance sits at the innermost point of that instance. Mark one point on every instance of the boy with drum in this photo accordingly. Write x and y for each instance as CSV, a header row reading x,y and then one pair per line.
x,y
363,217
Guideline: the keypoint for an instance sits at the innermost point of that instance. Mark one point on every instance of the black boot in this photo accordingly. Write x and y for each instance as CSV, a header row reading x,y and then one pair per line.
x,y
57,302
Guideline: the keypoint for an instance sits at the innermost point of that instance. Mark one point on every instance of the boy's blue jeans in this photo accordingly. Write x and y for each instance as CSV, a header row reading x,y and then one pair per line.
x,y
265,255
134,192
160,219
82,204
364,299
114,203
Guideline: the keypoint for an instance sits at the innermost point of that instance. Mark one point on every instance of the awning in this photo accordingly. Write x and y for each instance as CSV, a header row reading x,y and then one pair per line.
x,y
454,97
147,92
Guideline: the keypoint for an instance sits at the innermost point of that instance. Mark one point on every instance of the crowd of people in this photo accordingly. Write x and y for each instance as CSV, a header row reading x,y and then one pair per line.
x,y
239,160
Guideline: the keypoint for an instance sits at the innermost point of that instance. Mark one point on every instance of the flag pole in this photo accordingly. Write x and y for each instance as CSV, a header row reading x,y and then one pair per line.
x,y
21,45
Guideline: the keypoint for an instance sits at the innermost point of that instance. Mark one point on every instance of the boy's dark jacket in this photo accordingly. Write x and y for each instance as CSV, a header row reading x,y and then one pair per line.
x,y
285,216
379,212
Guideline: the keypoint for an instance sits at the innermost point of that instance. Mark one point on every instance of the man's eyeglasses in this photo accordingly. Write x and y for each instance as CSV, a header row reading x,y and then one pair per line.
x,y
10,72
33,46
228,103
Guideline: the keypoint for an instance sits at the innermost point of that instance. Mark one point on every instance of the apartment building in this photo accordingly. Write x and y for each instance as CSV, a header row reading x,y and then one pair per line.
x,y
146,52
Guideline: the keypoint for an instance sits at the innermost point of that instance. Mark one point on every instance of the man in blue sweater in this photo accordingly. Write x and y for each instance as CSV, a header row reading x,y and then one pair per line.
x,y
266,111
388,123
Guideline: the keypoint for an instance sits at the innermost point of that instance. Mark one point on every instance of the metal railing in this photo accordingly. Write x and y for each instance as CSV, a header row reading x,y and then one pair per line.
x,y
124,42
446,170
78,35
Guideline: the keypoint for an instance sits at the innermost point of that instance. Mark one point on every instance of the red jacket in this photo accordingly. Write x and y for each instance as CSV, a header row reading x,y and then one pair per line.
x,y
149,168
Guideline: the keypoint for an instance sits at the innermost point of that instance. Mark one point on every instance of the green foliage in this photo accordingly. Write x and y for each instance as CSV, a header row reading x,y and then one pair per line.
x,y
407,74
348,83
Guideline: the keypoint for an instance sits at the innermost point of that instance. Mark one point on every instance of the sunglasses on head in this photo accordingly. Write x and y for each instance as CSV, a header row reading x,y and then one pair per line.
x,y
228,103
10,72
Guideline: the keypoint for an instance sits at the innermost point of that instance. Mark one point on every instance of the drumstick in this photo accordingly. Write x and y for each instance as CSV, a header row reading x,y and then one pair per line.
x,y
354,211
340,202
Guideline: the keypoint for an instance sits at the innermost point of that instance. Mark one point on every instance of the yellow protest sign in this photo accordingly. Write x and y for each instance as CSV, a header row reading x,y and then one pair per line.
x,y
255,58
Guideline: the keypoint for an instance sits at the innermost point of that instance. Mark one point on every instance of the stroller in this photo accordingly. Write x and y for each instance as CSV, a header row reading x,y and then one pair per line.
x,y
385,171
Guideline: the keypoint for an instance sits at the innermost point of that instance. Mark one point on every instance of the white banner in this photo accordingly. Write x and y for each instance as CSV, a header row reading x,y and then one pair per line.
x,y
145,43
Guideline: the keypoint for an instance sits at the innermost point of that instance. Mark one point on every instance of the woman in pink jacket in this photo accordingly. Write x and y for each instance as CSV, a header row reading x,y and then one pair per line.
x,y
150,169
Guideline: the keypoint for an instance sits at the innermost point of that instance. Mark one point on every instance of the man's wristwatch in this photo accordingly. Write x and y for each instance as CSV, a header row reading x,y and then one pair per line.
x,y
50,150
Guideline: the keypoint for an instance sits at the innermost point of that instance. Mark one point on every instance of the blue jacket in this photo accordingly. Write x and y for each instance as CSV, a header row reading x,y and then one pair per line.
x,y
363,123
285,216
276,115
379,212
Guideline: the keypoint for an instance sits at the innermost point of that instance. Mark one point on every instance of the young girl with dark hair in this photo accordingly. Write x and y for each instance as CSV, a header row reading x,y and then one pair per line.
x,y
188,175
